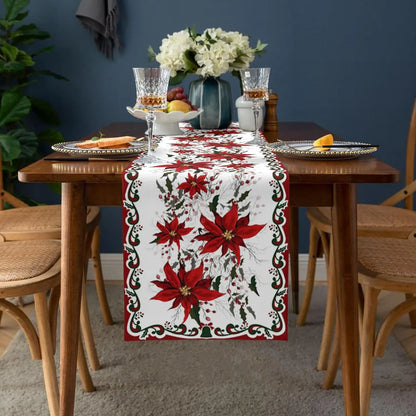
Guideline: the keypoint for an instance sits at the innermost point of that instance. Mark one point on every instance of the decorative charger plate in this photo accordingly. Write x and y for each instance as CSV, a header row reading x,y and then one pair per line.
x,y
71,148
304,149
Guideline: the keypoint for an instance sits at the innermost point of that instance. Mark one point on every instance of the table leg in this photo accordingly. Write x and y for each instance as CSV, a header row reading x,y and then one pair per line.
x,y
344,222
294,256
74,214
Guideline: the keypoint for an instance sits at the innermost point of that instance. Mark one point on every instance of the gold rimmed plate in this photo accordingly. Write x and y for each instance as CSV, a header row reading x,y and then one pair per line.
x,y
304,149
136,147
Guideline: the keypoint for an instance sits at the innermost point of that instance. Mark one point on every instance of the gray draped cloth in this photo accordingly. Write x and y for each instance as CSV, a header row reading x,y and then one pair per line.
x,y
101,18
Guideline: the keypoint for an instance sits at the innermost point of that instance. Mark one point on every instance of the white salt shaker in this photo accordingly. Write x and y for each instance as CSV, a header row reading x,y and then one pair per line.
x,y
245,114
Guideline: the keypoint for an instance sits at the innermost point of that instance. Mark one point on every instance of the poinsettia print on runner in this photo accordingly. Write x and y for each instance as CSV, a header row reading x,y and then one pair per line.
x,y
194,184
205,242
171,232
186,288
227,232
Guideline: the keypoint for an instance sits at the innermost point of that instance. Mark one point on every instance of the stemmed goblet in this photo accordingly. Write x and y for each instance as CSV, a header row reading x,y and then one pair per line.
x,y
255,83
151,91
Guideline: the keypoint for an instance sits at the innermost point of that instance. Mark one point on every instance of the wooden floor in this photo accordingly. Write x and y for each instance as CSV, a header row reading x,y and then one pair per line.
x,y
404,334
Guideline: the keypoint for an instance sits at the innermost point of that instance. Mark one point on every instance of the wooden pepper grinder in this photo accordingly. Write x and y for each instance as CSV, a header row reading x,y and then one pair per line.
x,y
270,126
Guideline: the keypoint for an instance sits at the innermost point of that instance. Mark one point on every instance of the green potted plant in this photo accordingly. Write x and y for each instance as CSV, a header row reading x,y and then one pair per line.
x,y
24,119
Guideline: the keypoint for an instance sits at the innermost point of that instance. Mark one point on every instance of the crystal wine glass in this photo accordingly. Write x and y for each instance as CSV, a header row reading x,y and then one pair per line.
x,y
151,91
256,89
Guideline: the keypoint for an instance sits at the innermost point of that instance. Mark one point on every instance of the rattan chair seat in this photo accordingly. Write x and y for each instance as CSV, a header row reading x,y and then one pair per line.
x,y
38,218
376,218
22,260
389,259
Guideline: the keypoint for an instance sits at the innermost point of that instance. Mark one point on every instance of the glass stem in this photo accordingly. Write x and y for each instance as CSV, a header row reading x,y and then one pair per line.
x,y
150,118
256,112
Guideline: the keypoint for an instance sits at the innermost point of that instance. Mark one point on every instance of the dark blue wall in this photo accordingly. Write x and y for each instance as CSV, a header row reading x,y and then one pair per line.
x,y
349,66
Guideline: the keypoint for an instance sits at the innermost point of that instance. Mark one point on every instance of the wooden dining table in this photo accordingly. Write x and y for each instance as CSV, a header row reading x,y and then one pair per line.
x,y
312,183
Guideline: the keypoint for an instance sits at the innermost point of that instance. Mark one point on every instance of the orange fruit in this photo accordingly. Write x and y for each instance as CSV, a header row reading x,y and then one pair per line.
x,y
326,140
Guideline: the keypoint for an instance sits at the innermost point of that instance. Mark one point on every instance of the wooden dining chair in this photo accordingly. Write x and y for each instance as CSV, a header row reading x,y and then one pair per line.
x,y
33,267
23,222
384,220
386,264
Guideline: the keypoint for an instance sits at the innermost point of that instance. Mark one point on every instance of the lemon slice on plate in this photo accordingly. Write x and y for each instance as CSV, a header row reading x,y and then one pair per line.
x,y
326,140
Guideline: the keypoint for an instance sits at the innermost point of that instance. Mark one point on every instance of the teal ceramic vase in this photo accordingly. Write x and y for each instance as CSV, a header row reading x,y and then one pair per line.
x,y
213,95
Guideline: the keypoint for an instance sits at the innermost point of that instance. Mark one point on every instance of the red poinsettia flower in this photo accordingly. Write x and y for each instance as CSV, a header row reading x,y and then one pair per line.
x,y
229,145
239,165
224,132
185,288
183,150
171,232
181,165
194,184
193,138
228,232
224,155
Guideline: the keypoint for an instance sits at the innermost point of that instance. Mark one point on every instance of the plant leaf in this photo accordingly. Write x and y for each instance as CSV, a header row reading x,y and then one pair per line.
x,y
151,54
50,136
13,7
42,50
189,61
45,111
178,78
51,74
10,148
260,48
14,106
28,33
28,140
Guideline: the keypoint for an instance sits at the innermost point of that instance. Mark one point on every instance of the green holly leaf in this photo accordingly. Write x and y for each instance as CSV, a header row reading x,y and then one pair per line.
x,y
160,188
243,196
253,285
216,284
194,314
169,184
243,314
213,205
250,310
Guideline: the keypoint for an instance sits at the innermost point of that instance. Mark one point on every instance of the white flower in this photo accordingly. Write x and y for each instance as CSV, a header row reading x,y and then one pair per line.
x,y
172,50
212,53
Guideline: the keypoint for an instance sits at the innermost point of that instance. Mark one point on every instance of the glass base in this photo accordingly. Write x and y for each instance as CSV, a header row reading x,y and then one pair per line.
x,y
257,140
148,158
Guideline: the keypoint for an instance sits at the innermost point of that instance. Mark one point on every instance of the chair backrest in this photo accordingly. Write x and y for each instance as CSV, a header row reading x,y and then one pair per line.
x,y
410,156
7,196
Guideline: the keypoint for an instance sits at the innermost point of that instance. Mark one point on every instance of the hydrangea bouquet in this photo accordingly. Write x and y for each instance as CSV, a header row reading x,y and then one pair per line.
x,y
212,53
